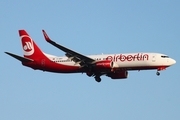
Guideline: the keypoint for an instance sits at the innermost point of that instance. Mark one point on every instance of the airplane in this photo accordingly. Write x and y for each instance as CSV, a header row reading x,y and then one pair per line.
x,y
115,66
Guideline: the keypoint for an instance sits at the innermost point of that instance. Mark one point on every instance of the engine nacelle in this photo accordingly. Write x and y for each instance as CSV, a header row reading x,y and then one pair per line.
x,y
105,64
118,75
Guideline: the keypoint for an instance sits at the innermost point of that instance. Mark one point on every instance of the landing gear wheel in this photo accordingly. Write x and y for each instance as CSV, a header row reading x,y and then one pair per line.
x,y
157,73
98,79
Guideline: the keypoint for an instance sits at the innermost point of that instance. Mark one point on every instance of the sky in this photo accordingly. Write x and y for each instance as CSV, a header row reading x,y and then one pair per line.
x,y
90,27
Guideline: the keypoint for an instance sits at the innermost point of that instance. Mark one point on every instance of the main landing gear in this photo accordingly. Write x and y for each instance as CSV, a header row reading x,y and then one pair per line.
x,y
97,78
157,73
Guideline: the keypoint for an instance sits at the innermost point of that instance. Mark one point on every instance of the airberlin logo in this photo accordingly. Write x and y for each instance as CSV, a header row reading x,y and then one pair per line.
x,y
27,44
130,57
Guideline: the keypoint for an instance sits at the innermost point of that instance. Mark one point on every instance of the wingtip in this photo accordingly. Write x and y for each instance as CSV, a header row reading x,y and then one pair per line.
x,y
46,36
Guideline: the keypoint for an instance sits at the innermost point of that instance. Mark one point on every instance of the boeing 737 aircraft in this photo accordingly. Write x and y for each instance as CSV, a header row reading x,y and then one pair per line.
x,y
115,66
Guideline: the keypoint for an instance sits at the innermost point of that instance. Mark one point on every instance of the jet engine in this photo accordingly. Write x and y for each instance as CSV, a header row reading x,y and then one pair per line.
x,y
118,75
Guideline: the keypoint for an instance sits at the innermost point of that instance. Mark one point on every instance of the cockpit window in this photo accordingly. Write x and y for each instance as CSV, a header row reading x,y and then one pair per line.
x,y
163,56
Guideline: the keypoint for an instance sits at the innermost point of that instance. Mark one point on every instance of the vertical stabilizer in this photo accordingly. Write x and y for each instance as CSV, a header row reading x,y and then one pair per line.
x,y
30,49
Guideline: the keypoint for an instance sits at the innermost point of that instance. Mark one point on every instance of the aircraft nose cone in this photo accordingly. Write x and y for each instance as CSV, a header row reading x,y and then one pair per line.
x,y
173,61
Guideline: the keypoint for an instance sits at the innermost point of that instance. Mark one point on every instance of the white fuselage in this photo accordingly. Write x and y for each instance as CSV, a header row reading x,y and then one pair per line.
x,y
129,60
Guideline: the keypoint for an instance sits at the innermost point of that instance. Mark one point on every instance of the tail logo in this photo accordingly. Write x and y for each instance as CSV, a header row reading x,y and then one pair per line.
x,y
27,44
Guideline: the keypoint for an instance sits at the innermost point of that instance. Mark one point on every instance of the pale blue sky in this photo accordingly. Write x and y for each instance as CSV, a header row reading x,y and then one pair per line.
x,y
90,27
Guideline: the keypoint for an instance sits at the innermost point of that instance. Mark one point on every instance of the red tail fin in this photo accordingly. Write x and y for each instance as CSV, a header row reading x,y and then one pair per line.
x,y
30,49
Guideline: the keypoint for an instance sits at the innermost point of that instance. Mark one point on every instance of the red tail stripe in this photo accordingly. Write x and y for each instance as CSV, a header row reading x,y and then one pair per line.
x,y
23,32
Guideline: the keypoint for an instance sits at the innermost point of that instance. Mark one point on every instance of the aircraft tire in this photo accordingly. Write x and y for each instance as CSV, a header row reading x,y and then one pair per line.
x,y
157,73
98,79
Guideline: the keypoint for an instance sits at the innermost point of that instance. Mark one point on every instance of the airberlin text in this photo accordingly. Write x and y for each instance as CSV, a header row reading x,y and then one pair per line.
x,y
128,57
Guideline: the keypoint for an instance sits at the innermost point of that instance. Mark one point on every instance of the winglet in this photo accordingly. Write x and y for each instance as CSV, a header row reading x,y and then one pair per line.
x,y
46,36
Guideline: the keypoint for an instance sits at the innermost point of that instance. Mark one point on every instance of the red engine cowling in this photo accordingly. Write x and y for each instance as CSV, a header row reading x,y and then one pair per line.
x,y
118,75
104,64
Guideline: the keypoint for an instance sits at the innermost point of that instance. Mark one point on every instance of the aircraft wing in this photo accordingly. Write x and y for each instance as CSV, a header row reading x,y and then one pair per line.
x,y
22,59
72,55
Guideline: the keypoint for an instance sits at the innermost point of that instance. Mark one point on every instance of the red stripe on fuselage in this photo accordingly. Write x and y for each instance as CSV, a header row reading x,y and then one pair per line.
x,y
50,66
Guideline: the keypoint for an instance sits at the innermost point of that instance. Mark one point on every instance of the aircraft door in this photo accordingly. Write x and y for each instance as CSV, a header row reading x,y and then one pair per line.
x,y
153,58
43,63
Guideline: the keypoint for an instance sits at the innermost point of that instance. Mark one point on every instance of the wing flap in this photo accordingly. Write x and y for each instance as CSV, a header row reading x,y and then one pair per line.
x,y
22,59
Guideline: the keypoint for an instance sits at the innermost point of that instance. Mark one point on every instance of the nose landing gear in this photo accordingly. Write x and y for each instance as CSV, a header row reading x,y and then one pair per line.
x,y
157,73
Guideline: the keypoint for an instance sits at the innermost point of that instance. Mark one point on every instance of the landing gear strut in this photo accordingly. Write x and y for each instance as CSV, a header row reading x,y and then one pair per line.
x,y
97,78
157,73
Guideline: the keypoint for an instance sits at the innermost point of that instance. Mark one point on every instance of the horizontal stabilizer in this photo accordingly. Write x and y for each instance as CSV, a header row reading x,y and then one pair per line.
x,y
22,59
